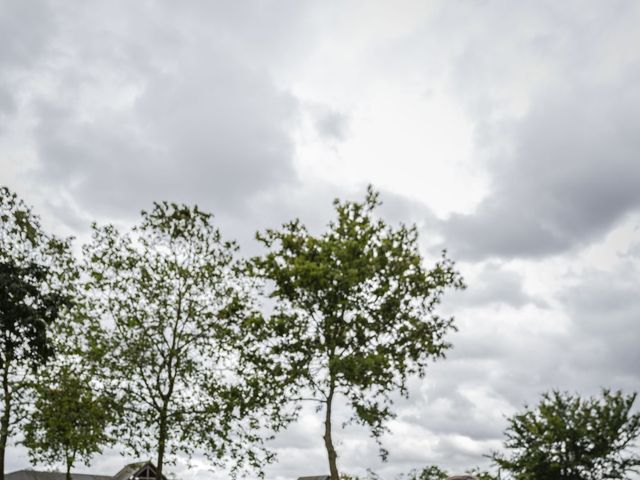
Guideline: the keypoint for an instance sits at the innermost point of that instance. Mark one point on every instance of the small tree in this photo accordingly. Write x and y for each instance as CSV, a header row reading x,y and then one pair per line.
x,y
69,420
175,307
566,437
432,472
354,314
36,277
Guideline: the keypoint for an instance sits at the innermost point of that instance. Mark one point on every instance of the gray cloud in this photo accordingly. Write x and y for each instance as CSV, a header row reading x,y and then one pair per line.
x,y
573,175
493,285
606,310
331,124
214,133
126,103
563,163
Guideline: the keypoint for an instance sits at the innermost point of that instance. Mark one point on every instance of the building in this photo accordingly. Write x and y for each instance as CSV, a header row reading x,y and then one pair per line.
x,y
133,471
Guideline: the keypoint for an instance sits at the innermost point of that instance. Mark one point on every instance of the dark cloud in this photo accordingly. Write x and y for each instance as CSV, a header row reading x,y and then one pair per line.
x,y
331,124
24,29
563,162
215,133
151,102
605,308
199,136
573,174
495,285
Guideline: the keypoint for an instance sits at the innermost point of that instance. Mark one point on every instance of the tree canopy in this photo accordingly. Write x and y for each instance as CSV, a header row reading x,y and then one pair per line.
x,y
37,275
175,305
69,420
355,312
567,437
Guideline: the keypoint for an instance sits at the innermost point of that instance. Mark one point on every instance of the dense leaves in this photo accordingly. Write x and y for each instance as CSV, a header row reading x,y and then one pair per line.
x,y
355,311
37,275
432,472
566,437
69,420
174,305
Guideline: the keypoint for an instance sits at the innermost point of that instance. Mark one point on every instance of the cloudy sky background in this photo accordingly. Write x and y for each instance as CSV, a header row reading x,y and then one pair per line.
x,y
507,131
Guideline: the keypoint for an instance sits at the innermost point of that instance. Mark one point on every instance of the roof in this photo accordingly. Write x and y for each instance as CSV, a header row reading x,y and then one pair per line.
x,y
316,477
35,475
141,470
128,471
138,470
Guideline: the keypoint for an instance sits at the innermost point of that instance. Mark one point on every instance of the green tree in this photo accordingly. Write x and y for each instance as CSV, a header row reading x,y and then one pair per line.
x,y
37,272
354,312
69,420
175,308
432,472
566,437
481,474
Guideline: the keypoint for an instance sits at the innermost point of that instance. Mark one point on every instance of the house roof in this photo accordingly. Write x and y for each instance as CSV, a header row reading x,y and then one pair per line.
x,y
35,475
129,472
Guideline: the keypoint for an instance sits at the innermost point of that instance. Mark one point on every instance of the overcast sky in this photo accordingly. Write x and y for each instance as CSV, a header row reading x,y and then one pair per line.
x,y
507,131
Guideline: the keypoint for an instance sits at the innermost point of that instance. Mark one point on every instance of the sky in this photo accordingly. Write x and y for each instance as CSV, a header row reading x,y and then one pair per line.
x,y
508,132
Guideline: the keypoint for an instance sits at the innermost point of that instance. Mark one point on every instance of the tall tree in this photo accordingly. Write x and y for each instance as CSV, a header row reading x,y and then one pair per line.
x,y
176,308
69,420
566,437
355,312
37,272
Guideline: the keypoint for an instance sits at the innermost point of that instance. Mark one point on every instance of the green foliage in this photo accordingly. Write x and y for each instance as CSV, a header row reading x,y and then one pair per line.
x,y
69,420
568,437
482,475
37,279
176,313
355,311
431,472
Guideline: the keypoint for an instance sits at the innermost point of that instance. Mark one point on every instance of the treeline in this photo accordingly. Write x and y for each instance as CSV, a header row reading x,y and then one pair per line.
x,y
165,340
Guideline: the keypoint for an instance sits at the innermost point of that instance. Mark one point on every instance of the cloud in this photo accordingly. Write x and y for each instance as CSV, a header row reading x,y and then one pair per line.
x,y
331,124
555,110
493,285
108,106
127,106
214,132
573,175
605,309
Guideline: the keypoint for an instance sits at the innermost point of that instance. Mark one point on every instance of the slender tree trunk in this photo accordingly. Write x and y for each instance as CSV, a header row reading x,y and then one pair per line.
x,y
68,477
6,416
328,442
161,442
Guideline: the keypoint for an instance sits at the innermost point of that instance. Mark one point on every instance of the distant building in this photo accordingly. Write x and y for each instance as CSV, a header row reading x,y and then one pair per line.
x,y
133,471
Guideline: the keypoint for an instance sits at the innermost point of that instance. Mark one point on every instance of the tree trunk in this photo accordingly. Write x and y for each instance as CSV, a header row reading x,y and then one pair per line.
x,y
331,451
161,442
6,416
68,477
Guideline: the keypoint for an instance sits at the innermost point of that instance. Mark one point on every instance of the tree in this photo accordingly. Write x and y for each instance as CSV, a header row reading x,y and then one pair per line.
x,y
568,437
432,472
354,312
37,272
69,421
175,308
478,474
